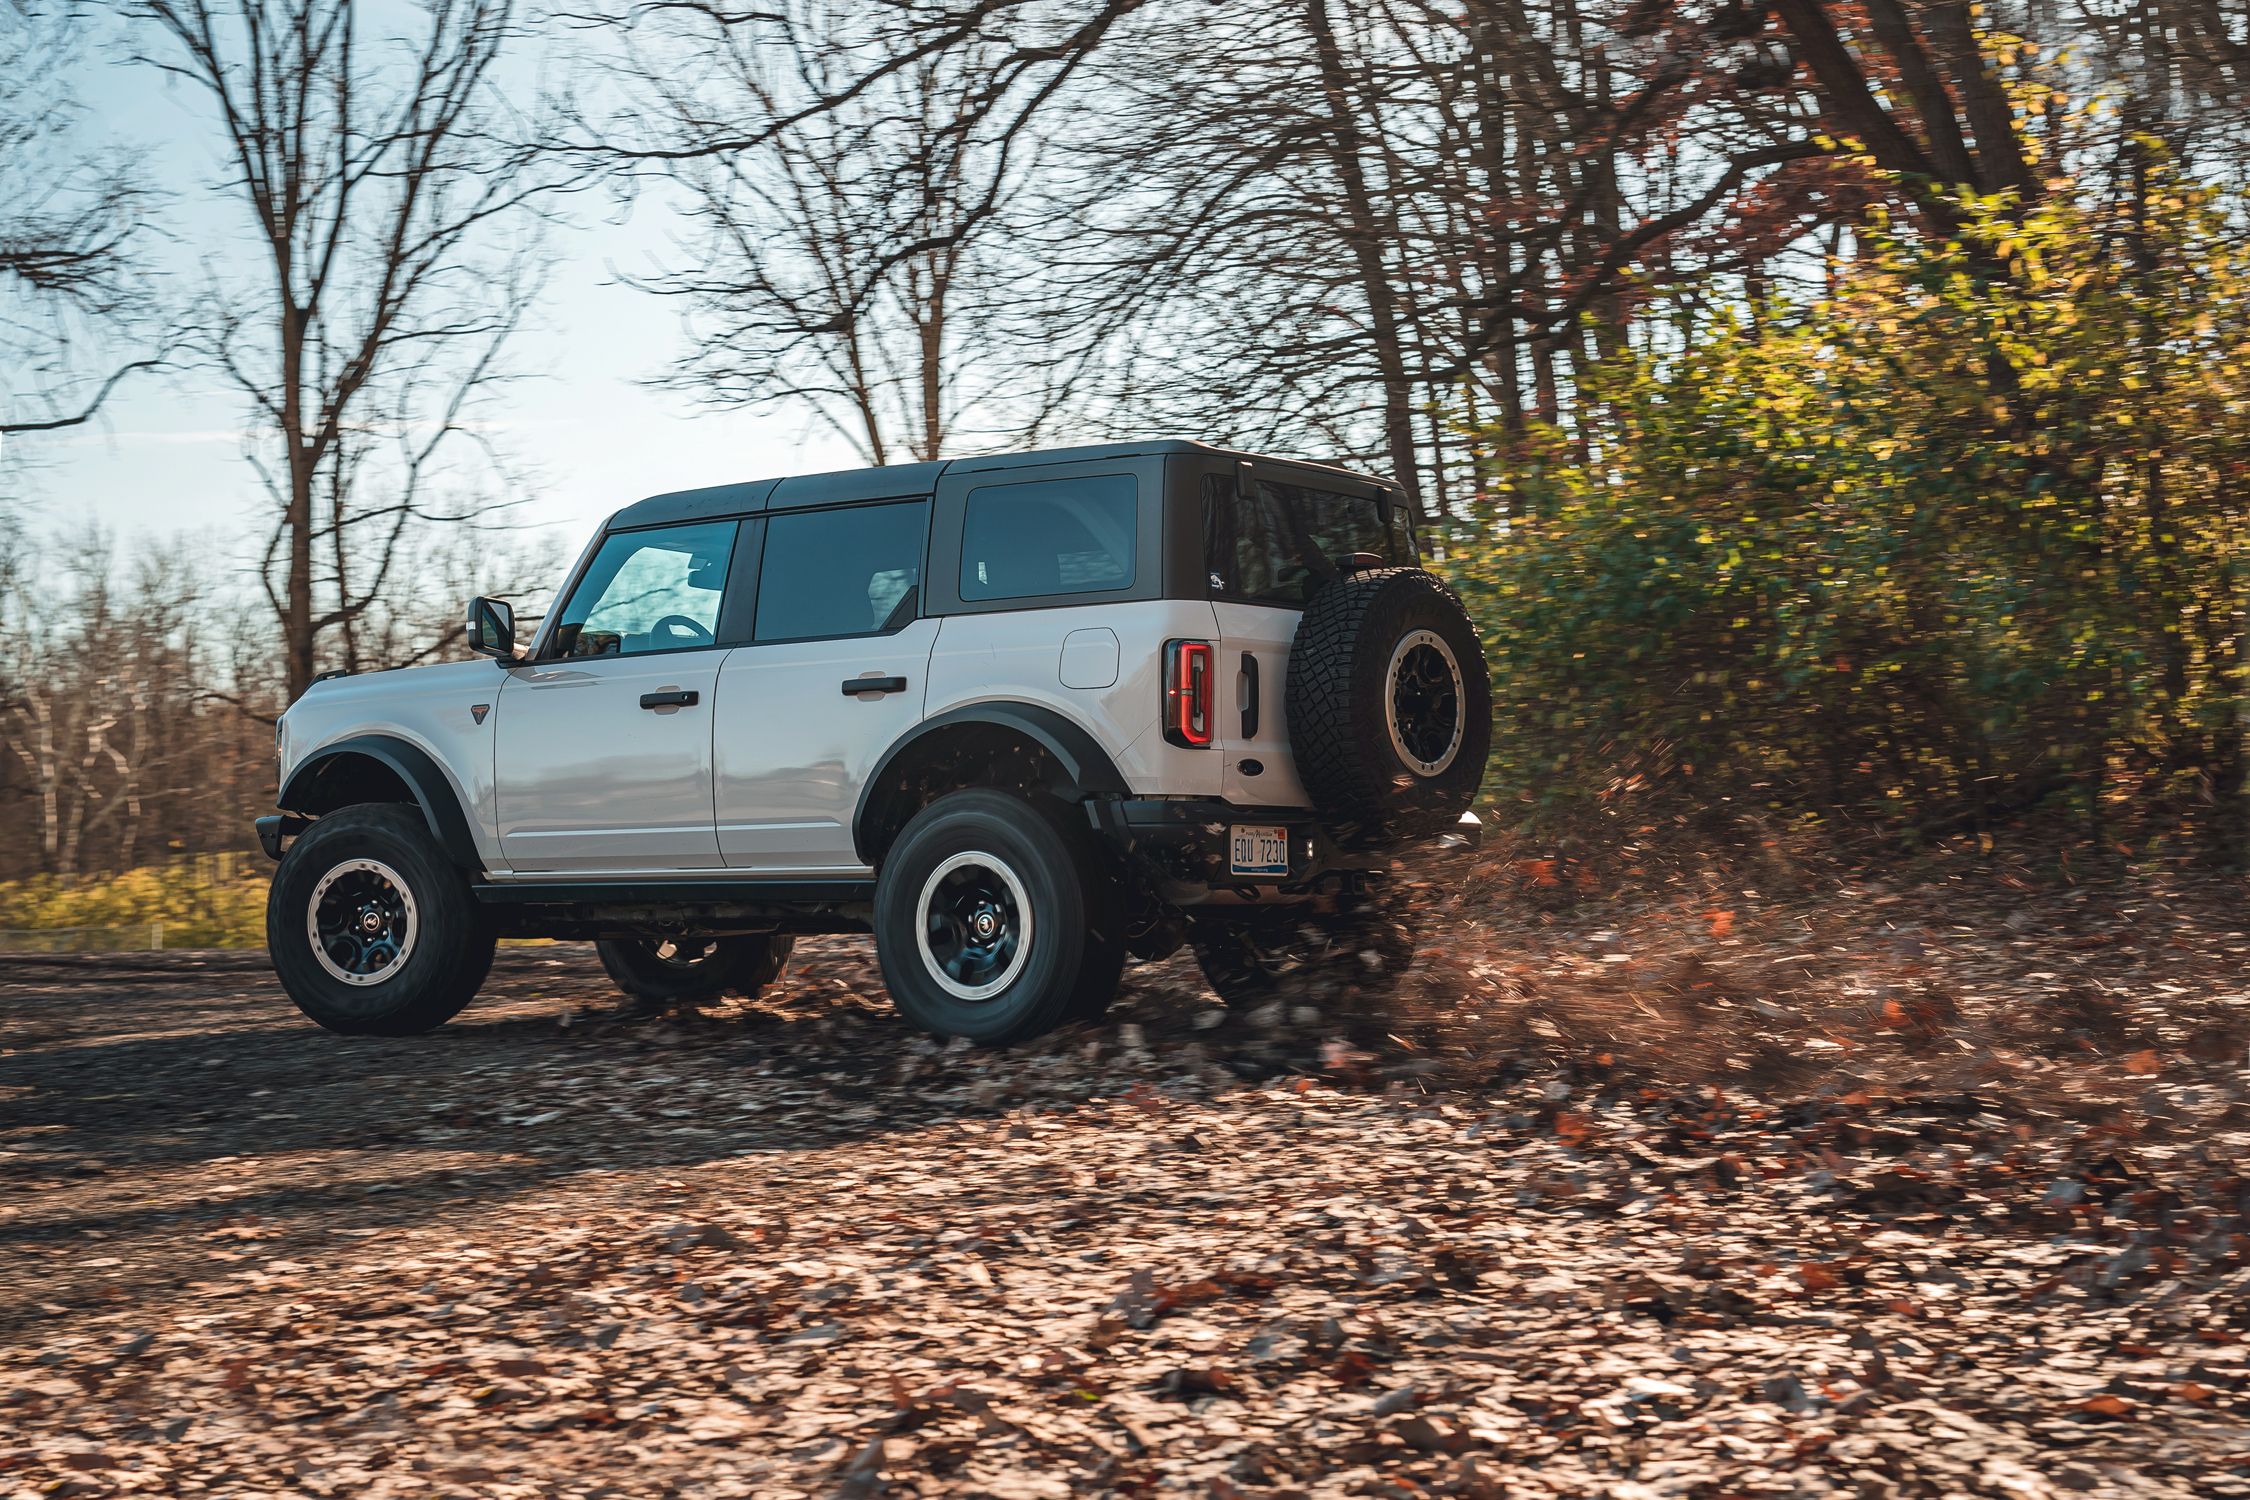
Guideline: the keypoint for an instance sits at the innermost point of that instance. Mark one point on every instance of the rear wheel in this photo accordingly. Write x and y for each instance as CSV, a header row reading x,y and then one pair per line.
x,y
372,931
994,921
693,971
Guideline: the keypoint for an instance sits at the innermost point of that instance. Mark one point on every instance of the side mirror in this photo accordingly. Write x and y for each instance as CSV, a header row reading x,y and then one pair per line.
x,y
492,628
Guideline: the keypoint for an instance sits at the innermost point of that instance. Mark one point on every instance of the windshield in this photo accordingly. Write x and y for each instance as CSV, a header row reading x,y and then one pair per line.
x,y
1277,543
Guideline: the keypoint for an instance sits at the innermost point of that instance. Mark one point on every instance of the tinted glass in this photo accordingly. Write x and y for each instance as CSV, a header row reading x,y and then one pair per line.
x,y
856,571
649,591
1276,543
1052,536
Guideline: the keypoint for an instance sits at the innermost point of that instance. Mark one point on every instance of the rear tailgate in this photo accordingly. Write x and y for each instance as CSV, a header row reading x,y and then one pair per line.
x,y
1274,534
1252,660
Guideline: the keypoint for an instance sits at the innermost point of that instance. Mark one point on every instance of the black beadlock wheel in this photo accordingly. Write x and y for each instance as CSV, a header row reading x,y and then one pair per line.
x,y
995,919
693,971
1389,704
372,930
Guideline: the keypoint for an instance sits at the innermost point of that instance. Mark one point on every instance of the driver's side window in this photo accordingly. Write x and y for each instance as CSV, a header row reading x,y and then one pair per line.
x,y
656,590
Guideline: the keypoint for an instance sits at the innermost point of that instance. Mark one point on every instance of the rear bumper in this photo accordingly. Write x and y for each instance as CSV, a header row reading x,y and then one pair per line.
x,y
1184,844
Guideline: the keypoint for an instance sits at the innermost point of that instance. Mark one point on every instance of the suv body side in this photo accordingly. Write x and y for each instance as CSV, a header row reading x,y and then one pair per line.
x,y
758,771
564,773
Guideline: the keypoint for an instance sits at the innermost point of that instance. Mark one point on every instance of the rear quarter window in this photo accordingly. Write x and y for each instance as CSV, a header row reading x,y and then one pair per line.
x,y
1050,536
1275,543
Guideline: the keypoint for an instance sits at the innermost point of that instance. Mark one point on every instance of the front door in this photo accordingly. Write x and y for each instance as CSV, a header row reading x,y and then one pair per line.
x,y
834,677
603,758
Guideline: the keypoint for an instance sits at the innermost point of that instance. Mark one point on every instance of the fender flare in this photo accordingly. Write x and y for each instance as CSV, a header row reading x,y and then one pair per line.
x,y
433,792
1087,769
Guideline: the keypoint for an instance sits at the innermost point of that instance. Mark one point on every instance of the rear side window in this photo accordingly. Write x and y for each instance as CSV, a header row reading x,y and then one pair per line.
x,y
1050,536
855,571
1277,543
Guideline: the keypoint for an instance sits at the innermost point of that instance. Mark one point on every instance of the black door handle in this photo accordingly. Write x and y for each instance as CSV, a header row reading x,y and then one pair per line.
x,y
1249,696
676,698
857,685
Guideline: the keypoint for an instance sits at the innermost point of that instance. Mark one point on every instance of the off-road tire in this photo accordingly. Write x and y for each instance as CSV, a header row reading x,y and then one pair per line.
x,y
1357,634
443,964
731,965
949,861
1355,953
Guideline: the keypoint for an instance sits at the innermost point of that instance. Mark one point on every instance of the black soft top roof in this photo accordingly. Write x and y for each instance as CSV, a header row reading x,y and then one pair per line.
x,y
905,481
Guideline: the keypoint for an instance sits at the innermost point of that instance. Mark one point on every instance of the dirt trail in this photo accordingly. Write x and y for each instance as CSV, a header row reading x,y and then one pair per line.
x,y
792,1249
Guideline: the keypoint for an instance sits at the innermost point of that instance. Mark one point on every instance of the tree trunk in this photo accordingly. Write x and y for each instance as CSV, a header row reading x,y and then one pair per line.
x,y
1498,250
1366,233
931,318
297,603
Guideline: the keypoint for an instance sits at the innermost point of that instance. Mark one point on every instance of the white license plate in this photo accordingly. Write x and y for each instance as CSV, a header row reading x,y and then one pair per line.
x,y
1254,849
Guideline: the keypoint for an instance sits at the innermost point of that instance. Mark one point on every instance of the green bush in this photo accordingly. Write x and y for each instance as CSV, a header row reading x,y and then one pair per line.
x,y
1963,537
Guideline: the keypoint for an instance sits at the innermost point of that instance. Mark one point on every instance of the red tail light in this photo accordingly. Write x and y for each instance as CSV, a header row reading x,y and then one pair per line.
x,y
1187,693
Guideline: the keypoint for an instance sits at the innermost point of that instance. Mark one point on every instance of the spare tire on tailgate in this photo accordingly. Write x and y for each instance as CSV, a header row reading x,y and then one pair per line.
x,y
1389,703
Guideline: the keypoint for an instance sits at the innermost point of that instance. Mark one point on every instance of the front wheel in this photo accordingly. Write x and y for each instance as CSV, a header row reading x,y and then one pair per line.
x,y
372,931
693,971
994,921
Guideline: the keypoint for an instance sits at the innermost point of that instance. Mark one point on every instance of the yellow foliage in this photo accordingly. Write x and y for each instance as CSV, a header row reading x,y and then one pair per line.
x,y
203,901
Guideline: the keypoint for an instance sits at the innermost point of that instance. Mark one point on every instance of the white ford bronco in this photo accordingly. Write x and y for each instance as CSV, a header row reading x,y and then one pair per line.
x,y
1023,718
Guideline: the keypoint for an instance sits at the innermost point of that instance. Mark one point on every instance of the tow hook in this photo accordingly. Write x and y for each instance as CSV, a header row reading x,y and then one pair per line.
x,y
274,828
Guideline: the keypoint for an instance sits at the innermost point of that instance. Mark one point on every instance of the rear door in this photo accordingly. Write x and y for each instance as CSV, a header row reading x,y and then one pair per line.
x,y
1253,728
603,747
834,674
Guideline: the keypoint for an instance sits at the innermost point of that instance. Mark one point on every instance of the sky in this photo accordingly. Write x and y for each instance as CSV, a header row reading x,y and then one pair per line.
x,y
165,457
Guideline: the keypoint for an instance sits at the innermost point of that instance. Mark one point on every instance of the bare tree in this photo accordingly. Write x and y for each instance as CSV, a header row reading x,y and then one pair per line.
x,y
70,226
1317,243
394,208
137,693
844,259
1377,216
118,746
1346,228
420,618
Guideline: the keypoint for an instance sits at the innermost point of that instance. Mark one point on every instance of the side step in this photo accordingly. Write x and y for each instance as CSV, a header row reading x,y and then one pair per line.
x,y
747,890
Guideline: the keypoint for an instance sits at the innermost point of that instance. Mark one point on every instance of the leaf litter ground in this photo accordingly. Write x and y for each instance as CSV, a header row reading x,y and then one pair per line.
x,y
1928,1192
